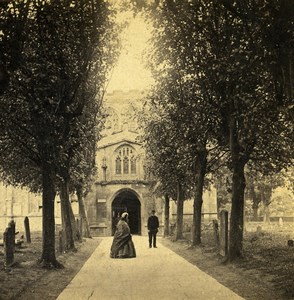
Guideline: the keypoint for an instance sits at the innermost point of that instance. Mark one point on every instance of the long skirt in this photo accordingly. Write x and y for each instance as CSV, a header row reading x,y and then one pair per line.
x,y
126,251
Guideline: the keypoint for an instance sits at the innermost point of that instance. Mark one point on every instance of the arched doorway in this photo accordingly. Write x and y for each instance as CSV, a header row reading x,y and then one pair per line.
x,y
127,201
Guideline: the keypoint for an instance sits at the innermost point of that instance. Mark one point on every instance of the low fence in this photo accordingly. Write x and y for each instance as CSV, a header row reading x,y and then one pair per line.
x,y
275,219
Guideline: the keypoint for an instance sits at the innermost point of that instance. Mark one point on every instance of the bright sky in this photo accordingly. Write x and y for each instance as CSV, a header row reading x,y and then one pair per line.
x,y
130,72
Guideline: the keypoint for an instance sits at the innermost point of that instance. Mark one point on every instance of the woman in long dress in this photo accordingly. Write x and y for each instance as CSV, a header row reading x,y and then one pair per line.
x,y
122,245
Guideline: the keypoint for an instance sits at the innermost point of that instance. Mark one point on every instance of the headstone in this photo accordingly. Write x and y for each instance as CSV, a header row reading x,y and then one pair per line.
x,y
9,240
11,225
216,232
224,233
27,229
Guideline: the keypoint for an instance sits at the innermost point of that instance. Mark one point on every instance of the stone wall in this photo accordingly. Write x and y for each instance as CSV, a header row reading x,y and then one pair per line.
x,y
102,197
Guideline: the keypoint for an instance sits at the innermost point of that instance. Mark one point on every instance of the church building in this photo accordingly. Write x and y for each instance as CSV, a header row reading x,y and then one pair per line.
x,y
121,184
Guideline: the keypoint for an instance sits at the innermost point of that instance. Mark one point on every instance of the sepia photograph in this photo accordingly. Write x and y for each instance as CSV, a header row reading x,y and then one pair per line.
x,y
146,149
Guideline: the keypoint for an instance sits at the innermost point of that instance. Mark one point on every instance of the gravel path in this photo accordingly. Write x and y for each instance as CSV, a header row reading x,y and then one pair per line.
x,y
153,274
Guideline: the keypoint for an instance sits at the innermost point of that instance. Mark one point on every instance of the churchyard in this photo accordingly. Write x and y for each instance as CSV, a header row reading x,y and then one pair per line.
x,y
21,275
267,256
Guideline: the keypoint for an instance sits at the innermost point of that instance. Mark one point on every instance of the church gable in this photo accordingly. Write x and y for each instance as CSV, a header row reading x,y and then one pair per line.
x,y
120,155
121,183
120,161
117,140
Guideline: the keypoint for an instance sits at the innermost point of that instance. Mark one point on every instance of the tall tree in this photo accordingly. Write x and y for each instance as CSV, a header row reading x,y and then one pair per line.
x,y
230,61
164,160
174,68
64,42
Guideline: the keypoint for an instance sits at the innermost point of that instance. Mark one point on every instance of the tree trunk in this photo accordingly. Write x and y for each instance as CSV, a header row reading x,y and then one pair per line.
x,y
166,216
266,214
219,200
200,169
255,213
180,211
238,190
86,229
237,213
66,217
266,196
48,258
75,231
255,200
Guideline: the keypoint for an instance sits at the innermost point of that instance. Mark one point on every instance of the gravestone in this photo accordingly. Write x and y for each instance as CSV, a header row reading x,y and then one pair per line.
x,y
11,225
216,232
8,240
27,229
224,233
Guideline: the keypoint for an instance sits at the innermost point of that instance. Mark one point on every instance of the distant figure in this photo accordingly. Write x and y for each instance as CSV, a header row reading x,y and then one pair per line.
x,y
122,245
152,226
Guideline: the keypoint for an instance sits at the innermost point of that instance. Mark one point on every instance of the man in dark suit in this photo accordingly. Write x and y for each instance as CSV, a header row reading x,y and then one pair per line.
x,y
152,226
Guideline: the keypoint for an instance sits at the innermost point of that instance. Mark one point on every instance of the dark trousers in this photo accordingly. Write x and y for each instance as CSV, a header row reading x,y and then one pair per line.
x,y
152,236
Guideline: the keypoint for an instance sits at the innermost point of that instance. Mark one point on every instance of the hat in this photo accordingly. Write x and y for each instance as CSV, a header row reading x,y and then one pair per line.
x,y
124,215
153,210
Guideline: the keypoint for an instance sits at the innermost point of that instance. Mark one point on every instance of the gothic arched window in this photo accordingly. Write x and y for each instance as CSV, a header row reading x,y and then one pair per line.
x,y
118,165
126,165
133,165
125,162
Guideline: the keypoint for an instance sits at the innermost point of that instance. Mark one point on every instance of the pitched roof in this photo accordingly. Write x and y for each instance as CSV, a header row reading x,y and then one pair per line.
x,y
118,138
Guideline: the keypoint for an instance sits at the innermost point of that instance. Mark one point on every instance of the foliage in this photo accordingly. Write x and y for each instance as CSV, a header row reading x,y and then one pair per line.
x,y
163,160
263,190
45,105
225,53
50,115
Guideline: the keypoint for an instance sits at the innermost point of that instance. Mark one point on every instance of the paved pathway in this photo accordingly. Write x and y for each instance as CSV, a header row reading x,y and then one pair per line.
x,y
153,274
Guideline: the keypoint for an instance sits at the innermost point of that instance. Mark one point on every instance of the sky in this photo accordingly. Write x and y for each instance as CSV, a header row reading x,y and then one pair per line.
x,y
129,72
